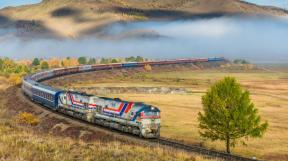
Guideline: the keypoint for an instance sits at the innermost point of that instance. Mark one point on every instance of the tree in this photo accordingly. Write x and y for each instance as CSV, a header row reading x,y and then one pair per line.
x,y
82,60
54,63
229,114
92,61
104,61
139,59
240,61
1,64
36,62
8,66
44,65
114,61
130,59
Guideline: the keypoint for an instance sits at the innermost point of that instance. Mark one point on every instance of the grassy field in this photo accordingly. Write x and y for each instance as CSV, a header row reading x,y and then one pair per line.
x,y
269,92
20,141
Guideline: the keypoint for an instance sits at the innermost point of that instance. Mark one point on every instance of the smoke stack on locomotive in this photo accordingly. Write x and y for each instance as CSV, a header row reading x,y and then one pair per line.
x,y
132,117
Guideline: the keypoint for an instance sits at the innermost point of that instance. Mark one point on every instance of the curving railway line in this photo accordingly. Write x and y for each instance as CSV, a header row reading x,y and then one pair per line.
x,y
129,118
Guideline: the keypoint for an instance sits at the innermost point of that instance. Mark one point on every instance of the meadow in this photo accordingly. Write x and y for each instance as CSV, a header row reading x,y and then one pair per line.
x,y
179,111
33,140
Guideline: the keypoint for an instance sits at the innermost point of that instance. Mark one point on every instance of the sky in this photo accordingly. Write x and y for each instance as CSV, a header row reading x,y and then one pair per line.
x,y
278,3
5,3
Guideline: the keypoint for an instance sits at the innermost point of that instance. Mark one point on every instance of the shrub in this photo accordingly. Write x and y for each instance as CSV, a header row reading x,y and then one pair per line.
x,y
28,119
114,61
82,60
36,62
15,79
148,67
44,65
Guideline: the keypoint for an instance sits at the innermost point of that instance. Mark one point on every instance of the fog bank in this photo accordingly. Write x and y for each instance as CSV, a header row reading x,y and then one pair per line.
x,y
257,39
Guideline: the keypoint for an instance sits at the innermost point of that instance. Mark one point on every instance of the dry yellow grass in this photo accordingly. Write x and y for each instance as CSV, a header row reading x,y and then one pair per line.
x,y
19,142
27,118
179,111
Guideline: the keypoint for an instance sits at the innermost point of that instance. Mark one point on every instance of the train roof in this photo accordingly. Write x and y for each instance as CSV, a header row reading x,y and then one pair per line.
x,y
46,88
118,99
81,93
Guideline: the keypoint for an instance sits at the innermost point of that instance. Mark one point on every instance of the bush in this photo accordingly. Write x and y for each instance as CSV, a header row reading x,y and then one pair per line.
x,y
114,61
36,62
44,65
15,79
28,119
240,61
148,67
82,60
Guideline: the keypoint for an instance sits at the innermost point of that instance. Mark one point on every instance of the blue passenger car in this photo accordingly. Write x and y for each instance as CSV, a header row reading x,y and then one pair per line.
x,y
46,95
215,59
128,65
27,87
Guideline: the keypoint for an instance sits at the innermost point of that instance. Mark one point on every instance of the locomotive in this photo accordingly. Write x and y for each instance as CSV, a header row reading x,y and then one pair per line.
x,y
132,117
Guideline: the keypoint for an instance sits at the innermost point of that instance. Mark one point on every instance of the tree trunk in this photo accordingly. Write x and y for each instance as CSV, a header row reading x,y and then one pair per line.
x,y
227,143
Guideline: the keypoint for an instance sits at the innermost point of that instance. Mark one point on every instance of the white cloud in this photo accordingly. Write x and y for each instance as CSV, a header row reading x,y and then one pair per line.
x,y
204,27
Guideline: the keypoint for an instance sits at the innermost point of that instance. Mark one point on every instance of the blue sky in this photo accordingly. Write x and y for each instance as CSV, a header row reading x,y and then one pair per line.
x,y
5,3
279,3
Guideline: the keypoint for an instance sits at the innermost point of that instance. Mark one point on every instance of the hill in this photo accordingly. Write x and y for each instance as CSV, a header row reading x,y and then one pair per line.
x,y
76,18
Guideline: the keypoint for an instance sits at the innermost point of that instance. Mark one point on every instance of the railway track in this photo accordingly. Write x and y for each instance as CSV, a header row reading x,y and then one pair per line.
x,y
148,142
151,142
203,151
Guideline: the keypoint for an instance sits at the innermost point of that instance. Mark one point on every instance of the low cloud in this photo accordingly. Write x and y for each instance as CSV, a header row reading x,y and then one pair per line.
x,y
258,39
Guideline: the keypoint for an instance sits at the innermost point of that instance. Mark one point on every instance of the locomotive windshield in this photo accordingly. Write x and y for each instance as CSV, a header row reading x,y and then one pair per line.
x,y
151,113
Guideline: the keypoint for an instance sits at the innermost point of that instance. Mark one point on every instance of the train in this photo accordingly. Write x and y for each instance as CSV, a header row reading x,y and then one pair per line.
x,y
130,117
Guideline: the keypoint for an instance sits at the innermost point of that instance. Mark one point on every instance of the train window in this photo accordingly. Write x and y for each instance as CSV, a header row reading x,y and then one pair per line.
x,y
151,113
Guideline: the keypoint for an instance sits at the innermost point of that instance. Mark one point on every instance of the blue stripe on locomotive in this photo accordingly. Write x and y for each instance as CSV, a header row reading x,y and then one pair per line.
x,y
216,59
128,65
